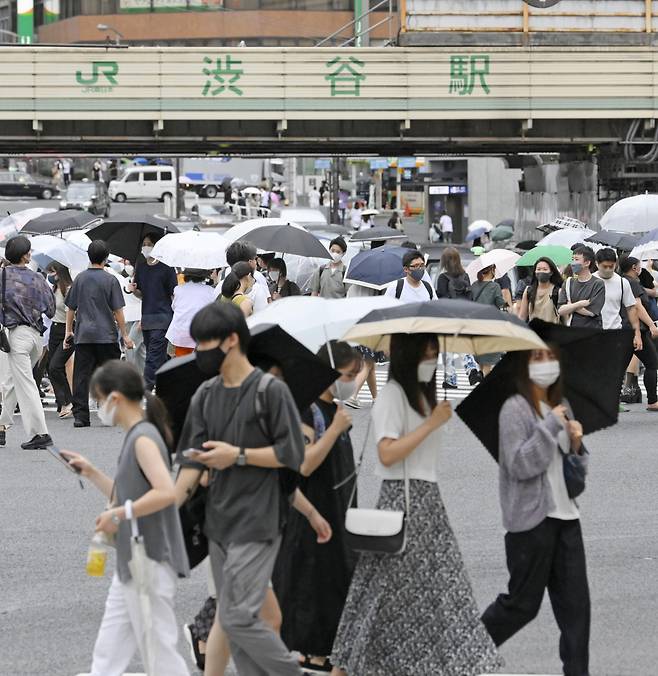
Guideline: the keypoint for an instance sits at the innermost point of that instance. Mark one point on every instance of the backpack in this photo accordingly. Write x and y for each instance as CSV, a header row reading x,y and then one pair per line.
x,y
400,286
458,287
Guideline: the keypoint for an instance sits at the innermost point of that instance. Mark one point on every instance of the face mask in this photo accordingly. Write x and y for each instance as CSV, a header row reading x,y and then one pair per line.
x,y
543,277
274,275
426,370
116,266
210,361
417,274
337,256
52,279
343,389
107,411
606,274
544,373
129,270
576,268
146,251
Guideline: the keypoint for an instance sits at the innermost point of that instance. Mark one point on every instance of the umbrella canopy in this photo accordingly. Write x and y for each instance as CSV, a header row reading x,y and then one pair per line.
x,y
502,232
306,375
526,244
503,259
323,319
566,237
59,222
286,239
645,253
251,190
378,234
12,224
632,214
464,326
561,222
560,255
592,392
47,248
617,240
475,233
124,235
369,212
377,267
239,231
191,249
480,223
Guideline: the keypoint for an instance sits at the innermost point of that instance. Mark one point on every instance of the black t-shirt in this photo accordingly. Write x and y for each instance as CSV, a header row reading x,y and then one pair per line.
x,y
639,292
156,284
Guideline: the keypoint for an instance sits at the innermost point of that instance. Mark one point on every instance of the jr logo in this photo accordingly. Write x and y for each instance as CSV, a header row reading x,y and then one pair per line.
x,y
110,69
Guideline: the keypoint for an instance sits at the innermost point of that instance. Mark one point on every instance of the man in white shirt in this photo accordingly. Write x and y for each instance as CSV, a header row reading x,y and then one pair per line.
x,y
314,198
412,288
445,223
618,295
245,251
355,216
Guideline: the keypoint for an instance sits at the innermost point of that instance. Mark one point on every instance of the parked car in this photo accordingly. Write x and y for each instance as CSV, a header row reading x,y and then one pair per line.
x,y
20,184
91,196
145,183
207,214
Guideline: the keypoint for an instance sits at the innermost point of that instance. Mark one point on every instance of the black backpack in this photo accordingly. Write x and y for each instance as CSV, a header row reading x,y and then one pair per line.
x,y
400,286
459,287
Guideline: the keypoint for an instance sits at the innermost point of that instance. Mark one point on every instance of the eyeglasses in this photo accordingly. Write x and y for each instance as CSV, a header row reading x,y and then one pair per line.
x,y
420,266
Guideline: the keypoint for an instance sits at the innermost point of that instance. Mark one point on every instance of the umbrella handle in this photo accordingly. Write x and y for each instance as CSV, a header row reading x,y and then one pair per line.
x,y
128,506
445,370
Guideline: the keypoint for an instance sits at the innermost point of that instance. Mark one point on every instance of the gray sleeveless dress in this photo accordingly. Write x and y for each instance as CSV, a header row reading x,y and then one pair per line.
x,y
163,537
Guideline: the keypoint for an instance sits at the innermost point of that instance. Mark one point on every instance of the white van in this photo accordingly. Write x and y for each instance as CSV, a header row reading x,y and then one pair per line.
x,y
145,183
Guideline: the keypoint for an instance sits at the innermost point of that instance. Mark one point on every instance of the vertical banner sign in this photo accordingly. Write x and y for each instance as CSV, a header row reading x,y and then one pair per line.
x,y
51,11
25,23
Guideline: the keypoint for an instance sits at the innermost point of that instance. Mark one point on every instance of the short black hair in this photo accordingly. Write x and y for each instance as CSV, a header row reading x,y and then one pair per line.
x,y
586,252
408,244
606,255
410,257
343,353
240,251
195,275
280,265
153,236
98,252
340,242
16,248
625,264
218,321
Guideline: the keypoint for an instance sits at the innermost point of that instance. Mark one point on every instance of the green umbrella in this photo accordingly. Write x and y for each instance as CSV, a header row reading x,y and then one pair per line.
x,y
560,255
502,232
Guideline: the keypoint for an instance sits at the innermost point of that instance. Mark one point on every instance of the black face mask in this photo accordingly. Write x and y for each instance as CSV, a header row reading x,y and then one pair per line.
x,y
543,277
210,361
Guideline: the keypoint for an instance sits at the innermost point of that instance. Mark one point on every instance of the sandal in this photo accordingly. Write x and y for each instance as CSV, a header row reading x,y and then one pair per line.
x,y
312,668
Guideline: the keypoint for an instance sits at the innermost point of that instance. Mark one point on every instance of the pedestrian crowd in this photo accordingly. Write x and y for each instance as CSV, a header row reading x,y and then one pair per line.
x,y
288,591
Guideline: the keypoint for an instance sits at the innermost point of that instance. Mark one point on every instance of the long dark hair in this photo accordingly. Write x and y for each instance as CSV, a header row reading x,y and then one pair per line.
x,y
524,385
121,376
232,281
451,262
556,280
64,281
407,351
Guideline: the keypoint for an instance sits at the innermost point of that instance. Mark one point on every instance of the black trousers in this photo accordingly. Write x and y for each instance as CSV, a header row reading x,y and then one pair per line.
x,y
550,556
648,356
156,353
88,357
58,355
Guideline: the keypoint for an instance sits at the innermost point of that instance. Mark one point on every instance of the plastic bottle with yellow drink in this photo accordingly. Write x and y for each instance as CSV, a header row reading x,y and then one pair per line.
x,y
97,555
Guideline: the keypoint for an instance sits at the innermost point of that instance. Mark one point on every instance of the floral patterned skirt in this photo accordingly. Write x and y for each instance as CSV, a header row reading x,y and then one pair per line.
x,y
414,613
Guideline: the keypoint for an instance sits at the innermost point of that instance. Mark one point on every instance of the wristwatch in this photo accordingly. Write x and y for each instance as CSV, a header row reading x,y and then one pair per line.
x,y
115,519
242,457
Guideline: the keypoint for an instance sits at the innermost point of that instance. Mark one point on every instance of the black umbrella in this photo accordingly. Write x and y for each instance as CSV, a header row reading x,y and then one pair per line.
x,y
378,234
58,222
307,376
286,239
617,240
526,244
592,391
124,235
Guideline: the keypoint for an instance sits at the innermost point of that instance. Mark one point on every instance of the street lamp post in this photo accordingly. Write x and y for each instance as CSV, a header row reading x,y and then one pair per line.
x,y
117,35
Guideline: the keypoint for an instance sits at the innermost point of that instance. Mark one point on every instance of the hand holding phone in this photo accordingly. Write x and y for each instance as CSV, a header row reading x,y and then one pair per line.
x,y
191,453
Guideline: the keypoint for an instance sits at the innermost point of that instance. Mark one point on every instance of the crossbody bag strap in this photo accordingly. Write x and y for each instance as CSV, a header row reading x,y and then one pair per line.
x,y
4,291
355,474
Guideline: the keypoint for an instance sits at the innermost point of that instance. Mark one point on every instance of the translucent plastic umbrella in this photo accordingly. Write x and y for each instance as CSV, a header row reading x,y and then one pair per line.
x,y
14,223
566,237
192,249
632,214
480,223
48,248
503,259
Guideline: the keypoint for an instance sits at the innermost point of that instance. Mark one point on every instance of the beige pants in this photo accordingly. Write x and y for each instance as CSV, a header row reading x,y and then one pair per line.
x,y
18,383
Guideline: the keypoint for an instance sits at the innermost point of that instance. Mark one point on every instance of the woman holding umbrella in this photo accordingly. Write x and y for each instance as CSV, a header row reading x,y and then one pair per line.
x,y
237,285
413,612
539,300
543,543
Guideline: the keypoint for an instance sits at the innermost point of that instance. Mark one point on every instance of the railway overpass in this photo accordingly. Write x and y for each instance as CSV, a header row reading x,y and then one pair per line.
x,y
394,100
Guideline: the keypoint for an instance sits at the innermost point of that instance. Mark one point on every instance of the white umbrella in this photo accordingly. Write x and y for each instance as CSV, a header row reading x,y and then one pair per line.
x,y
12,224
645,252
250,190
143,572
132,310
244,228
480,223
370,212
48,248
632,214
323,319
567,237
191,249
503,259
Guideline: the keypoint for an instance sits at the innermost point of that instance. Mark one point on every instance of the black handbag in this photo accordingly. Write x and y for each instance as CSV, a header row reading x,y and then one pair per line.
x,y
4,337
193,520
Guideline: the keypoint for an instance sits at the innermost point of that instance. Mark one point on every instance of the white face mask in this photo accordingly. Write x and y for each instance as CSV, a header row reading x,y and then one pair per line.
x,y
337,256
146,251
343,389
116,266
426,370
274,275
107,411
129,270
544,373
